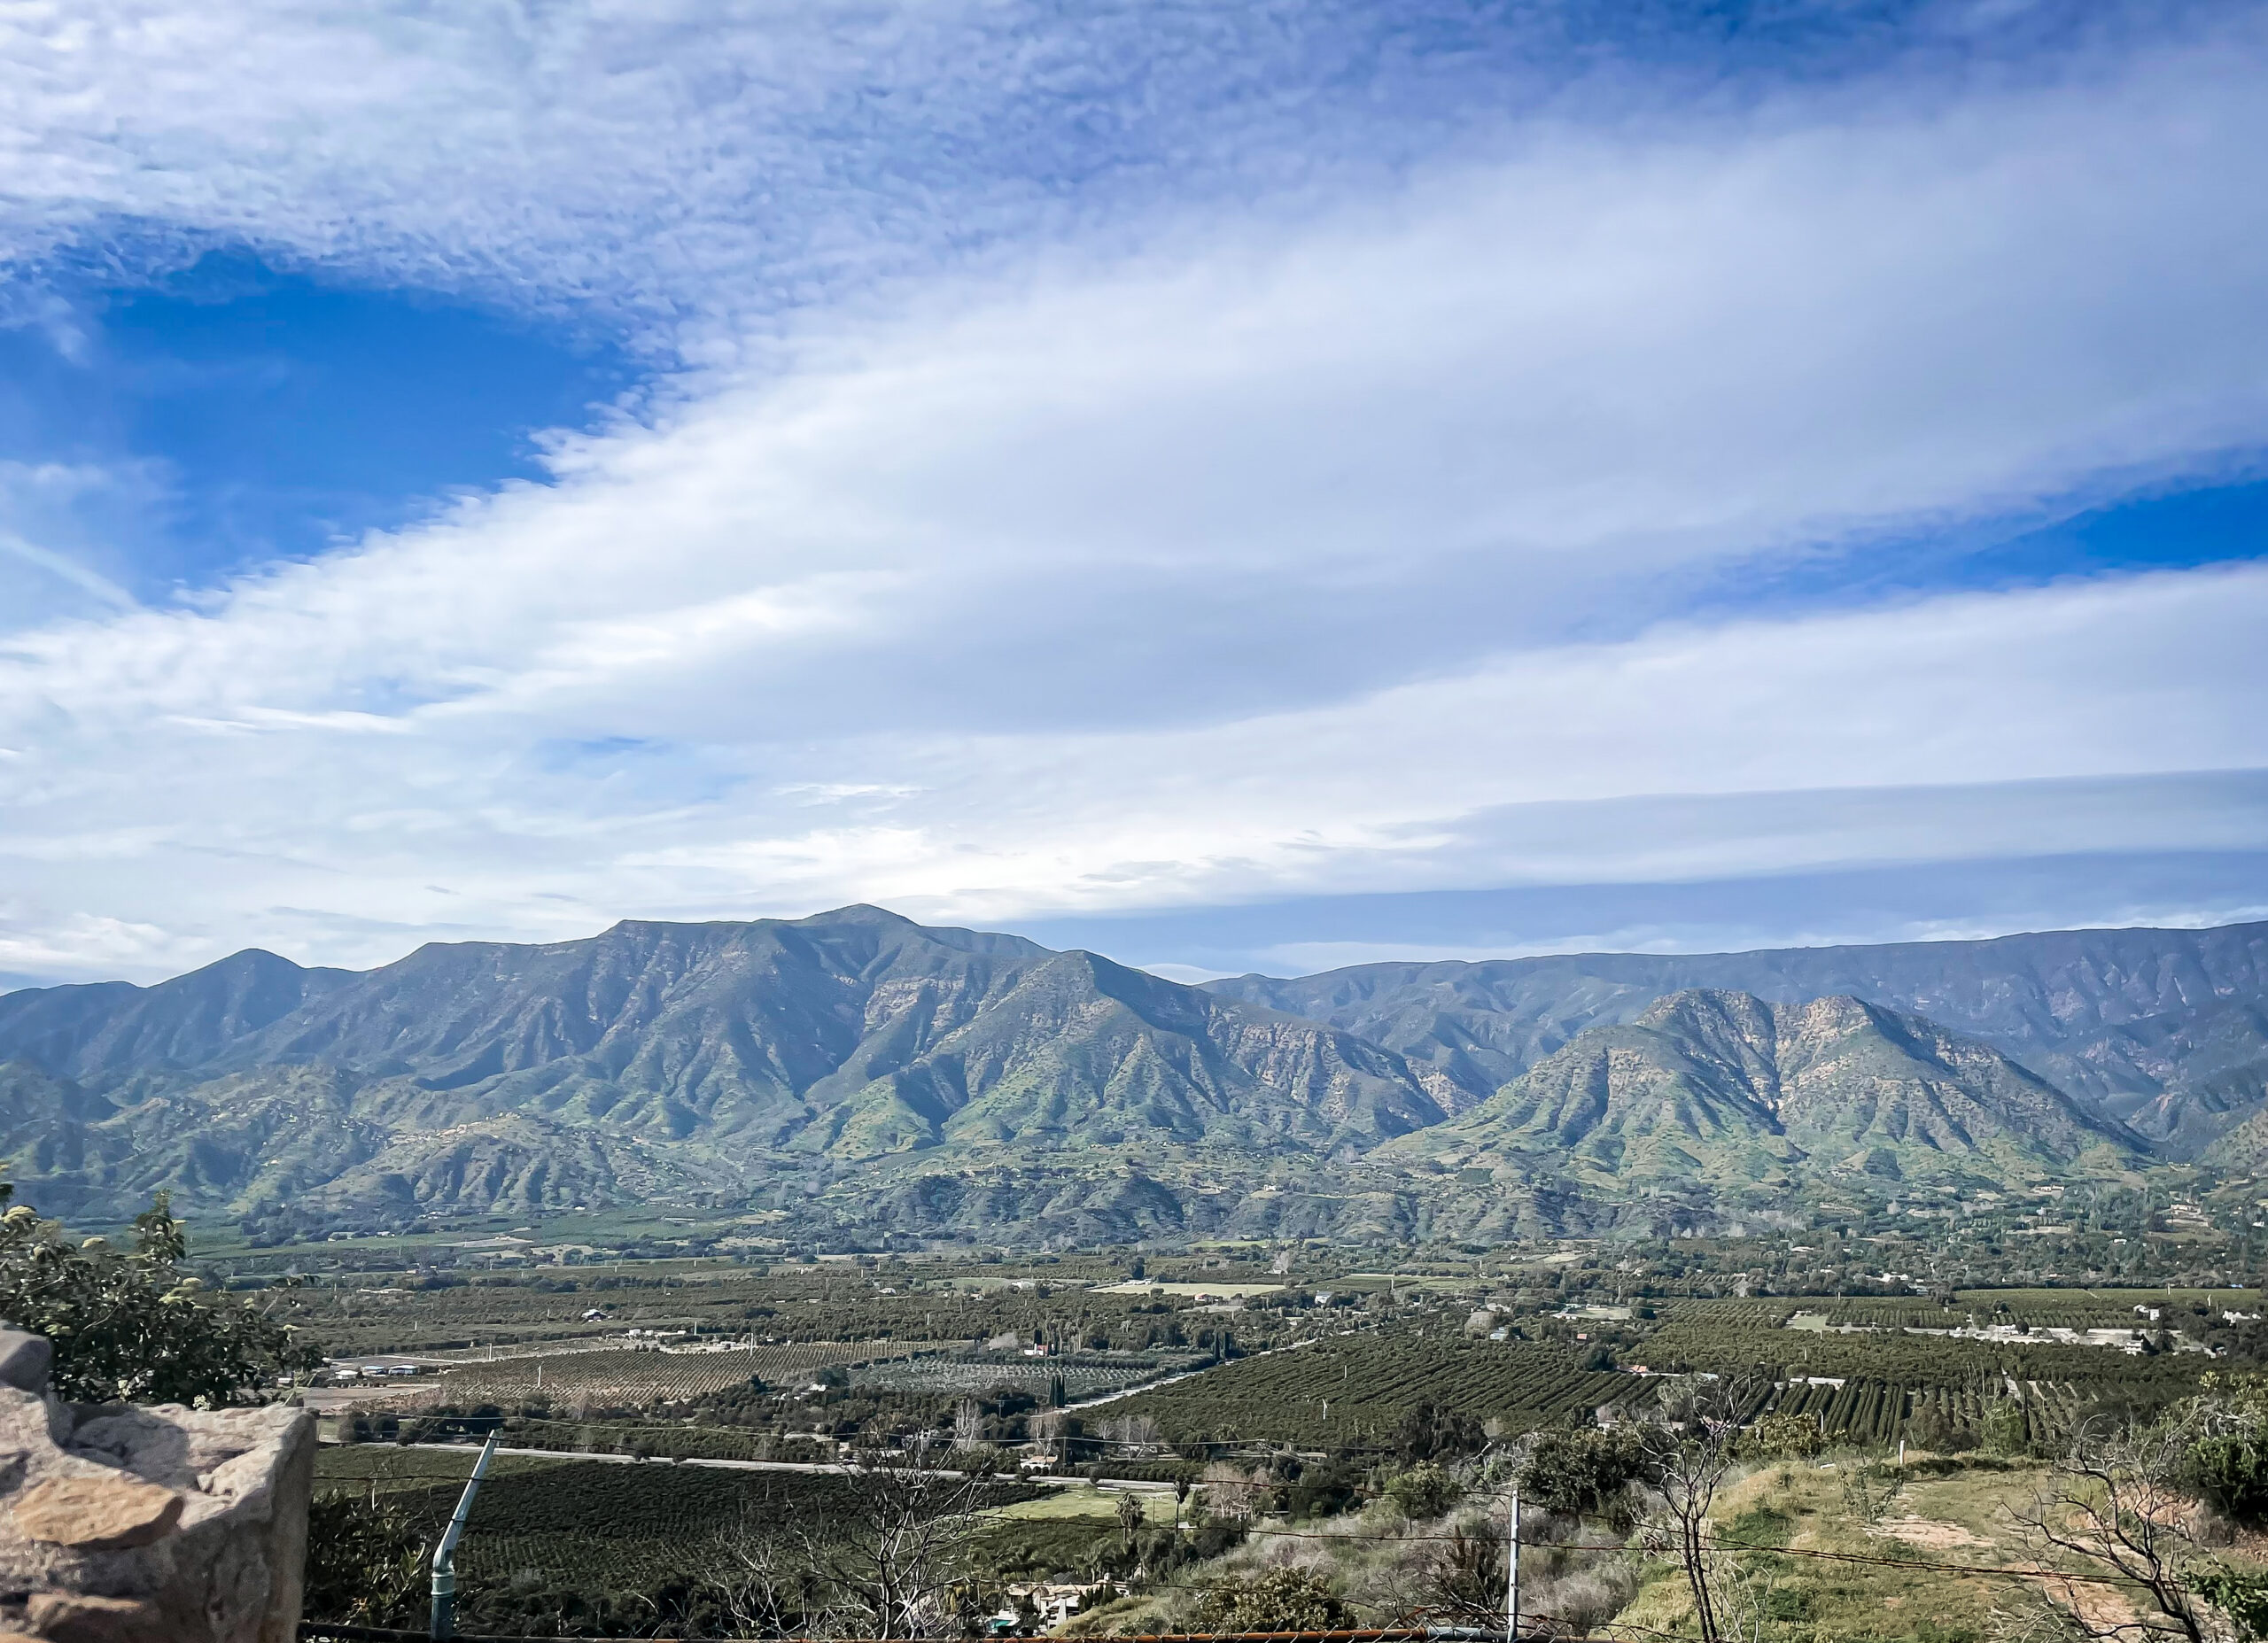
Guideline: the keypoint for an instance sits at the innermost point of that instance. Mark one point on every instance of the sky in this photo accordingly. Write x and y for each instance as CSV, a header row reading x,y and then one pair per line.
x,y
1238,488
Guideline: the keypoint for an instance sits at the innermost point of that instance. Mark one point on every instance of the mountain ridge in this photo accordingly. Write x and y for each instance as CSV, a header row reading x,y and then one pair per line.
x,y
749,1048
1723,1087
857,1067
2162,1029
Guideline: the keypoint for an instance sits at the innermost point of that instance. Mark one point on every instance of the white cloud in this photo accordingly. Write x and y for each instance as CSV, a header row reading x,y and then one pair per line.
x,y
1761,748
665,161
1333,549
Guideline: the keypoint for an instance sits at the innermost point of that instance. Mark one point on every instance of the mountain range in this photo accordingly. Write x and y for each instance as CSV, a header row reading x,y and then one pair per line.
x,y
855,1069
2165,1031
1722,1087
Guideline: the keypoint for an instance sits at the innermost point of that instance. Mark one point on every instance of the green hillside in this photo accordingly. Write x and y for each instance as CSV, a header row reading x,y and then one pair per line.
x,y
857,1074
1724,1088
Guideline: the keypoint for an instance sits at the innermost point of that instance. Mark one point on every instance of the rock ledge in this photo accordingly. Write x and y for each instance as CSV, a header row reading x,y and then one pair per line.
x,y
124,1524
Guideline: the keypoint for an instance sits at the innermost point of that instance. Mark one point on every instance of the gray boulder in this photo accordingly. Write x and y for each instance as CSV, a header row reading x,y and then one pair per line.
x,y
121,1525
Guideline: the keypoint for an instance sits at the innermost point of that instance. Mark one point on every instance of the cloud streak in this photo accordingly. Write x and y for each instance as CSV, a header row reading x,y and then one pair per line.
x,y
1333,545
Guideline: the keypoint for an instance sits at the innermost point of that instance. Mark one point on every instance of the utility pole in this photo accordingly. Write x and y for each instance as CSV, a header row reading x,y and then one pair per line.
x,y
1512,1571
445,1556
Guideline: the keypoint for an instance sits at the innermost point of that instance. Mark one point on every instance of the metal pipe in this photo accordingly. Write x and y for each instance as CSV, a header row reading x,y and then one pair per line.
x,y
445,1556
1512,1572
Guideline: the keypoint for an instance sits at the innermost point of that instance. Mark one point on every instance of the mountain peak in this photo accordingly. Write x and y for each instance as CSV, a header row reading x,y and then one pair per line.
x,y
859,912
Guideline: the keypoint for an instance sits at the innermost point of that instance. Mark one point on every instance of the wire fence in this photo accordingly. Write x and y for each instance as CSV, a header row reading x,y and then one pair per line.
x,y
319,1632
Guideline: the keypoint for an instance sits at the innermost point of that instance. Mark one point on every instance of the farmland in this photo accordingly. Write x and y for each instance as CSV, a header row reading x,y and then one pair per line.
x,y
732,1358
635,1376
1354,1391
1080,1376
1301,1399
923,1305
571,1536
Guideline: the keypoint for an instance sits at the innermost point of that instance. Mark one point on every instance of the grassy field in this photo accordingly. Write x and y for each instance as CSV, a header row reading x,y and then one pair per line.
x,y
1903,1590
1088,1504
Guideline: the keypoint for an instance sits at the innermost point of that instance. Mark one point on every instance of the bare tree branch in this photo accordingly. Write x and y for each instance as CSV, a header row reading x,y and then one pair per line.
x,y
2115,1506
1688,1453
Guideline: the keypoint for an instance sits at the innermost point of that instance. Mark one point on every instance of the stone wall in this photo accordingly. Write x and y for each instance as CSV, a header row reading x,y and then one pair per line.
x,y
126,1524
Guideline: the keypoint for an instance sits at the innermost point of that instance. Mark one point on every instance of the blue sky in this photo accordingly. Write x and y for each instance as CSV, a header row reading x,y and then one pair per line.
x,y
1241,489
281,413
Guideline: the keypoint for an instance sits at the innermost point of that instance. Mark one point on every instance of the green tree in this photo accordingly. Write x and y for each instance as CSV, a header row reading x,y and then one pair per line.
x,y
1431,1432
1583,1472
2241,1594
132,1327
2228,1465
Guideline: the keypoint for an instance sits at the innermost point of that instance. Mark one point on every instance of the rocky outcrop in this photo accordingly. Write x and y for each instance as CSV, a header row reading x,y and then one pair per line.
x,y
124,1524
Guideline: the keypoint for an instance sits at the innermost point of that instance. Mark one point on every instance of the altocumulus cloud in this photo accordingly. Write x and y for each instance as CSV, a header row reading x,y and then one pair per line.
x,y
1340,540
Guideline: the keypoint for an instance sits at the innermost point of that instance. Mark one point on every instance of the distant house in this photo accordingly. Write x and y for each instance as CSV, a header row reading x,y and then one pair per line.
x,y
1049,1605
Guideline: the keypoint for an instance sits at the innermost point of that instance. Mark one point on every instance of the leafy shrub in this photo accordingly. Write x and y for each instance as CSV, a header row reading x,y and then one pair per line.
x,y
2228,1464
1787,1437
132,1327
1583,1471
1423,1491
2003,1428
1938,1429
1282,1600
1320,1491
366,1562
2232,1472
1431,1432
2239,1593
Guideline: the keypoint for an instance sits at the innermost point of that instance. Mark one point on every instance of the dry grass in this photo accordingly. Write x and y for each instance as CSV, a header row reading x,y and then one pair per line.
x,y
1944,1513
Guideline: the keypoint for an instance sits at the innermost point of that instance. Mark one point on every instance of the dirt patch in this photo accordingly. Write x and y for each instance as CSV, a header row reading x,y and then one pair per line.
x,y
1932,1535
2101,1608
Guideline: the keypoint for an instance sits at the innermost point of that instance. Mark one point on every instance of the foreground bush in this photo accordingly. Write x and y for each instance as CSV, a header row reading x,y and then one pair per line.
x,y
132,1327
366,1562
1282,1600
